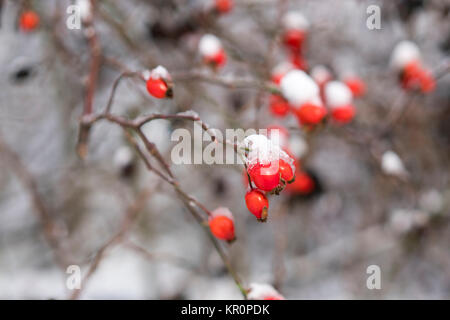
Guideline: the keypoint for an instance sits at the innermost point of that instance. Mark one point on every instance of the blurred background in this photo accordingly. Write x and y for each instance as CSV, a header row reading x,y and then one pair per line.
x,y
128,230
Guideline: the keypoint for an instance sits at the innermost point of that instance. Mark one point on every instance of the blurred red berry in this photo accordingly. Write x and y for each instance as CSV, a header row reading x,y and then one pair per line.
x,y
222,227
286,171
343,114
157,88
294,39
256,203
29,20
310,113
356,85
427,82
217,60
224,6
298,61
303,184
278,106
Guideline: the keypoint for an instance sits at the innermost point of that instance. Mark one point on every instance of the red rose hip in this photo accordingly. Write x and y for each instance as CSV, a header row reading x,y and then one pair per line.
x,y
257,204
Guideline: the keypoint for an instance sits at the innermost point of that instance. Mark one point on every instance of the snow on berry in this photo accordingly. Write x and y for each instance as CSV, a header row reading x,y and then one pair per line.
x,y
221,224
295,20
299,88
123,157
392,164
339,98
404,53
212,51
406,60
257,204
263,158
337,94
85,9
263,291
159,82
295,27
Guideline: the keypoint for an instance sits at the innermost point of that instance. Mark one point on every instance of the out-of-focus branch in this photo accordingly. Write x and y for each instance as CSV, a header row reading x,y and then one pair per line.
x,y
130,216
50,228
229,82
91,84
151,256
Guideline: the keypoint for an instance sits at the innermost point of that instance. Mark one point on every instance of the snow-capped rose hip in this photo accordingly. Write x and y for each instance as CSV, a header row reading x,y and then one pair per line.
x,y
212,51
265,176
340,99
303,95
406,60
159,83
257,204
295,27
278,106
298,88
221,224
29,20
224,6
263,161
262,291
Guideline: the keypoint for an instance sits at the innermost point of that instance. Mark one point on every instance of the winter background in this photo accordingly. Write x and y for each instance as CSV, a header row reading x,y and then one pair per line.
x,y
314,247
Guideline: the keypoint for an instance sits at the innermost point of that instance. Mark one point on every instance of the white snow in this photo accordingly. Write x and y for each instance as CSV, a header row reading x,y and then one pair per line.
x,y
85,9
278,135
264,151
392,164
260,291
160,72
298,146
404,220
337,94
123,157
222,211
295,20
298,88
432,201
209,45
404,53
320,74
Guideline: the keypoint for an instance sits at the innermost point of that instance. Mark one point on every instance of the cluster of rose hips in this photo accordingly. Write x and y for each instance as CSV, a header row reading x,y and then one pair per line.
x,y
307,96
310,97
406,61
